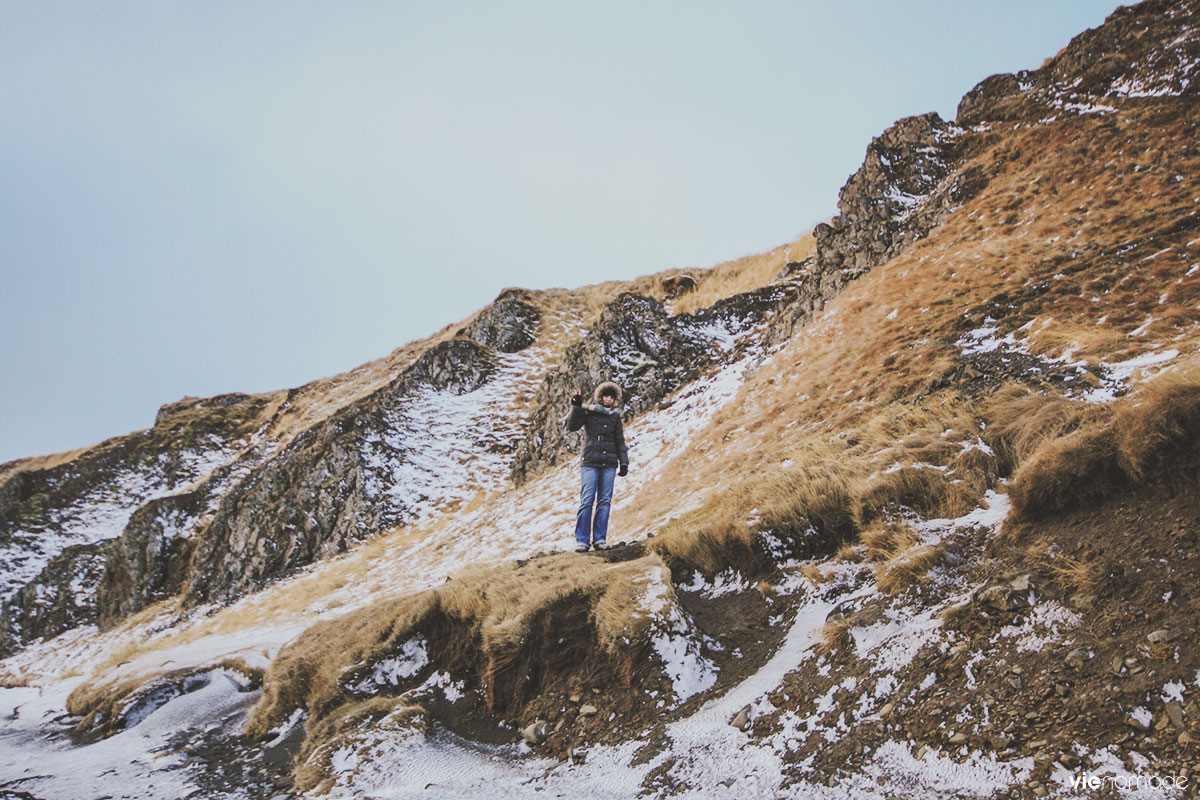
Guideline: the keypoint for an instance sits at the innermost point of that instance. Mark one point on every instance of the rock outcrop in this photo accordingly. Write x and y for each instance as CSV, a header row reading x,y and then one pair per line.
x,y
508,325
323,492
1144,53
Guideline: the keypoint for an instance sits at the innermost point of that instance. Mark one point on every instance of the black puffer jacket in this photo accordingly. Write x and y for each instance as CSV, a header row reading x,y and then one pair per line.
x,y
604,433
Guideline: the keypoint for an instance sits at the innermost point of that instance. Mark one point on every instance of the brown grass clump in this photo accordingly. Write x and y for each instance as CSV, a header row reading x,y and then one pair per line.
x,y
926,490
884,539
907,568
1022,420
834,636
1066,472
1150,436
1073,574
1159,430
512,631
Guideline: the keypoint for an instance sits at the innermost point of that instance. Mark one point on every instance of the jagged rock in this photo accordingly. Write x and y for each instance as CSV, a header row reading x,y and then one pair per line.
x,y
322,493
1078,657
587,711
54,520
509,324
458,366
1137,52
741,720
1175,712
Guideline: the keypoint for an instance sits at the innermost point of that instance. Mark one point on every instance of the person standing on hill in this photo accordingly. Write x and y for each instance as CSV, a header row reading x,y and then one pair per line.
x,y
604,458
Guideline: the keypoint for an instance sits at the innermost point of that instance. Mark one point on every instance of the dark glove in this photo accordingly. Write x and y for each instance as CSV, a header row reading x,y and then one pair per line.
x,y
624,470
576,399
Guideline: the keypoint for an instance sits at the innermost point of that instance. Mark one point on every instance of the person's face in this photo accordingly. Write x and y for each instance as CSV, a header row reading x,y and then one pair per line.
x,y
608,400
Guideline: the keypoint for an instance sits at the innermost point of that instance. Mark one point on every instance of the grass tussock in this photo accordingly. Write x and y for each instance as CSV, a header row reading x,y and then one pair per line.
x,y
886,539
1073,574
1022,420
925,489
834,636
907,568
510,631
1151,436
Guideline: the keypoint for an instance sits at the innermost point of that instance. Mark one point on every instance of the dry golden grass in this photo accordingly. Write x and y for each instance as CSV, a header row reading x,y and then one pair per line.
x,y
102,704
907,568
1151,435
885,540
1073,574
508,629
742,275
834,636
1022,420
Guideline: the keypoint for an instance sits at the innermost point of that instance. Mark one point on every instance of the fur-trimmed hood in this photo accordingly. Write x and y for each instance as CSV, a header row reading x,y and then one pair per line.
x,y
605,387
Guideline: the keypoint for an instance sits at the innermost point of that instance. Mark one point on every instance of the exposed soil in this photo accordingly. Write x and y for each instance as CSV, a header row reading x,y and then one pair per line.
x,y
1099,684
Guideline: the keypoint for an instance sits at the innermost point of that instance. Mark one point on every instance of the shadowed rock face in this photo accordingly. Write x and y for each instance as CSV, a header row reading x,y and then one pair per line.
x,y
316,498
61,597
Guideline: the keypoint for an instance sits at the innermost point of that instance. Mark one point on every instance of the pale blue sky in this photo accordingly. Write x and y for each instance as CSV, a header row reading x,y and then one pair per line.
x,y
214,196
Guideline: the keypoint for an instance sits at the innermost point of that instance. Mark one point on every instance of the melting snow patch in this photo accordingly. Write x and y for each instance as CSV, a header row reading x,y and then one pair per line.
x,y
1118,374
411,660
1042,627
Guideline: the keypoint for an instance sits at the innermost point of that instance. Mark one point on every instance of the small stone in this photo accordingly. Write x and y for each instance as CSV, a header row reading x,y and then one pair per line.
x,y
537,732
958,738
1160,636
1083,602
1016,670
1021,583
587,711
1185,738
1000,741
887,710
576,697
1014,682
921,752
1040,791
1175,712
741,720
1131,662
1117,666
1036,744
1062,689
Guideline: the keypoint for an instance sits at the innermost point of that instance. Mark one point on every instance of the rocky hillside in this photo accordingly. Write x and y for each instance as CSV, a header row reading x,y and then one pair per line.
x,y
916,517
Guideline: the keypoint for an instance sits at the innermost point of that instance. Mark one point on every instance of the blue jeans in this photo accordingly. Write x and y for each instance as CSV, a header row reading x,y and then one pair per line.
x,y
597,489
